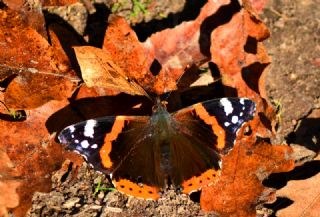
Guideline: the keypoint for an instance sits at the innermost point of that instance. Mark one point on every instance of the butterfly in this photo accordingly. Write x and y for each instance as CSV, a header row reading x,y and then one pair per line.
x,y
143,155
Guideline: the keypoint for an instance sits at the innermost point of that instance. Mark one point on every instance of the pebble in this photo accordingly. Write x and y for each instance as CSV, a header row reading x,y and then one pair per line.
x,y
71,202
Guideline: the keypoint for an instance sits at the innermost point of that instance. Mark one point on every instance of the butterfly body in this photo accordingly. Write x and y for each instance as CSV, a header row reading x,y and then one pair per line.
x,y
143,154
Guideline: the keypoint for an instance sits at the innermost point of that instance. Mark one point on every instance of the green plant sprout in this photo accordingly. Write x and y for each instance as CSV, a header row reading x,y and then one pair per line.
x,y
98,188
279,110
162,15
115,7
138,7
15,114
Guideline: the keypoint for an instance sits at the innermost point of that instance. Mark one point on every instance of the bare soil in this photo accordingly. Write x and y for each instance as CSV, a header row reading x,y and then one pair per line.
x,y
293,85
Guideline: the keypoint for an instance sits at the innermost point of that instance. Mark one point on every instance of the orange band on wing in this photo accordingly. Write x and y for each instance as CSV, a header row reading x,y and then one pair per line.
x,y
144,191
211,120
106,148
195,183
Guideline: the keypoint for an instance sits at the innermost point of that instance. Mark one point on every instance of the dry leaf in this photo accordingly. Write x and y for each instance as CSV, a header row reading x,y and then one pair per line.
x,y
32,151
98,69
238,53
30,13
122,44
29,59
242,60
256,5
239,189
305,195
175,50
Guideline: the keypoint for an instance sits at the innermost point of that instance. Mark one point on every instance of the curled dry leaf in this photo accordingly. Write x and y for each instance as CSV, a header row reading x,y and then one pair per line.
x,y
119,66
32,151
31,14
29,59
158,63
306,196
98,69
238,53
239,189
122,43
242,60
175,50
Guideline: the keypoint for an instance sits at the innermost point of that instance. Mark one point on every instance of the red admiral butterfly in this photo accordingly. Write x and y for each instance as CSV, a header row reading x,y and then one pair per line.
x,y
142,154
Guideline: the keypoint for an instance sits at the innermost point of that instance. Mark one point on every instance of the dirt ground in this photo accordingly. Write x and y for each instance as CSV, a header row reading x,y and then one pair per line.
x,y
293,85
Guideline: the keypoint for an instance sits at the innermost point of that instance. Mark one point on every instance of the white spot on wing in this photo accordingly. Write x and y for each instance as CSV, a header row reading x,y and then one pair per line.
x,y
242,101
227,124
72,129
234,119
94,146
76,141
85,144
89,128
241,113
227,106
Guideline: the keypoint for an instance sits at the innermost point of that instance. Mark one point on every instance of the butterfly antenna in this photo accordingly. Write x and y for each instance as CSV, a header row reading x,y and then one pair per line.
x,y
144,92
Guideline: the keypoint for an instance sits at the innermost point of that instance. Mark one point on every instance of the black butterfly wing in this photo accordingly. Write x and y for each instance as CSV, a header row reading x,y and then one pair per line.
x,y
201,132
139,157
122,147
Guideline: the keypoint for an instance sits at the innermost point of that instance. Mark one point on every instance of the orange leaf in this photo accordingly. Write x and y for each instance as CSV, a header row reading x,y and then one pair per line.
x,y
175,50
240,189
122,44
305,194
242,60
29,59
32,151
98,69
31,15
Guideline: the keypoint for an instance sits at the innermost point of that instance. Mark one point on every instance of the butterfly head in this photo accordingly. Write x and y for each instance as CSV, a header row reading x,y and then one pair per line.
x,y
159,106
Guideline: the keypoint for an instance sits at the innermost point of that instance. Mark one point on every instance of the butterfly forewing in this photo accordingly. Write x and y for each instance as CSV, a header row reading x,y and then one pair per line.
x,y
87,138
202,131
222,118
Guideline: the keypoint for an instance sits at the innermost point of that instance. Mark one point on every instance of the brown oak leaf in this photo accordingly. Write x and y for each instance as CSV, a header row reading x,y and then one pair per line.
x,y
31,14
98,69
238,53
239,189
28,59
305,195
33,152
